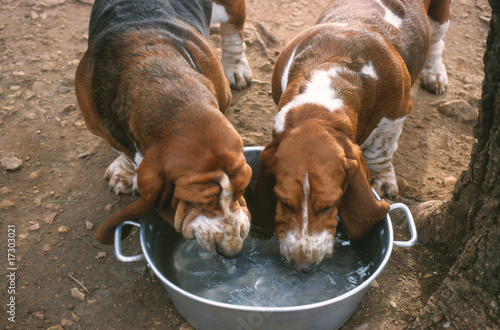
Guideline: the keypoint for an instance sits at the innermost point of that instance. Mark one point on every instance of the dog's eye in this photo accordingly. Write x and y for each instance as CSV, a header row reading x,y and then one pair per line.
x,y
286,206
326,209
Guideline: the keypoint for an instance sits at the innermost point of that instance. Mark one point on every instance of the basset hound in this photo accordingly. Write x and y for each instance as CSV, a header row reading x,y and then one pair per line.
x,y
151,85
342,88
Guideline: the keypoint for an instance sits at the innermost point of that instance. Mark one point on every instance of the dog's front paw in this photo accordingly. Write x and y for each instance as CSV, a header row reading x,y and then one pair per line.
x,y
237,71
385,186
122,177
434,77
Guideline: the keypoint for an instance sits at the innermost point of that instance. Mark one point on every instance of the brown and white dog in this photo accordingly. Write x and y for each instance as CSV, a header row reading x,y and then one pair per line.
x,y
153,87
343,91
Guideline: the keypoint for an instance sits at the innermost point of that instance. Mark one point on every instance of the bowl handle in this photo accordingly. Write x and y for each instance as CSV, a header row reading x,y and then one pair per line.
x,y
118,243
411,225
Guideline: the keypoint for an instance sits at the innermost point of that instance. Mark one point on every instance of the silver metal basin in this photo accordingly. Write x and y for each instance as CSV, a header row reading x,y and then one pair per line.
x,y
202,313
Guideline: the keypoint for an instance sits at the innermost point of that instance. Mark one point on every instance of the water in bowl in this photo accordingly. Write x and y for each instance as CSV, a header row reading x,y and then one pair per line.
x,y
261,278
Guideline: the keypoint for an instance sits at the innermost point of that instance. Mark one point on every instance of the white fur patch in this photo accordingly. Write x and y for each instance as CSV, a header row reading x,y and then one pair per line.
x,y
434,76
219,14
319,90
122,178
378,150
369,70
390,17
315,246
228,231
286,71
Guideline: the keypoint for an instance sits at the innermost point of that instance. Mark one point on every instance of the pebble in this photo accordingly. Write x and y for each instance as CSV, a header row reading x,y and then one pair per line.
x,y
18,74
89,225
186,326
50,218
63,90
66,323
38,315
11,163
56,327
46,248
101,254
6,204
34,227
449,181
69,108
63,229
33,175
77,294
51,3
458,108
5,191
30,115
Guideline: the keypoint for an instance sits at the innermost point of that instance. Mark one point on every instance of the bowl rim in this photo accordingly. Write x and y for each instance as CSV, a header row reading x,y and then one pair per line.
x,y
245,308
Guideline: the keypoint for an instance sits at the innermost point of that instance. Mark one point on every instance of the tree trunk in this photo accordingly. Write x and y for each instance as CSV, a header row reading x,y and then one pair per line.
x,y
467,225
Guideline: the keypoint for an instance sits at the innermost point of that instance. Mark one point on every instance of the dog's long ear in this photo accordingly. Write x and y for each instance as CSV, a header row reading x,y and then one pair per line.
x,y
359,211
263,202
151,183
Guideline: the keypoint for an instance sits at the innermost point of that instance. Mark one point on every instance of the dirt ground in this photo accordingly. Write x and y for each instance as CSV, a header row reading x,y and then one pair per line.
x,y
59,197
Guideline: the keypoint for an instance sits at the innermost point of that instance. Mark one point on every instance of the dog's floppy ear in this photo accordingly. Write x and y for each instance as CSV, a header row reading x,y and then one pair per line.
x,y
151,183
263,201
359,211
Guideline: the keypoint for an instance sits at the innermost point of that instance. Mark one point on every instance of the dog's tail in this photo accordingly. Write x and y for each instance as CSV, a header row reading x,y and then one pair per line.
x,y
151,183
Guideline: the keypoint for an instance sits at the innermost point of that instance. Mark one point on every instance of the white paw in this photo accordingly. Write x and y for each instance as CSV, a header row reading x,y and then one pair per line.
x,y
434,77
385,186
237,71
122,177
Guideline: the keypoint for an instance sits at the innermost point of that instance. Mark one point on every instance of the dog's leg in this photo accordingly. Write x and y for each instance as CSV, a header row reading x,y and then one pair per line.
x,y
122,175
434,77
378,150
231,16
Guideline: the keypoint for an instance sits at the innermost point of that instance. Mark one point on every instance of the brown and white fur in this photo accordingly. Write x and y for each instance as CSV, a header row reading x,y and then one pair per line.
x,y
343,91
153,87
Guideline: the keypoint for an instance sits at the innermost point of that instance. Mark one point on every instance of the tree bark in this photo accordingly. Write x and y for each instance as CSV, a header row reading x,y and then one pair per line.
x,y
467,225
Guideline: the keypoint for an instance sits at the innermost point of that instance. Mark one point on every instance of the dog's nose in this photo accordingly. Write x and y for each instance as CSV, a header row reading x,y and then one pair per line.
x,y
228,254
304,267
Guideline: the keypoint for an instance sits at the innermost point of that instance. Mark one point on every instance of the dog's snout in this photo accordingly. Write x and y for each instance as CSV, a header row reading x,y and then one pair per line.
x,y
228,254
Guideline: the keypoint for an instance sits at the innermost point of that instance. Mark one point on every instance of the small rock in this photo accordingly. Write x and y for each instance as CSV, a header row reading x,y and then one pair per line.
x,y
30,115
101,254
375,285
449,181
427,275
51,3
186,326
77,294
18,74
50,218
108,208
33,175
363,326
66,323
437,318
38,315
63,229
11,163
15,88
69,108
34,227
46,247
56,327
79,123
458,108
5,191
89,225
6,204
63,90
75,317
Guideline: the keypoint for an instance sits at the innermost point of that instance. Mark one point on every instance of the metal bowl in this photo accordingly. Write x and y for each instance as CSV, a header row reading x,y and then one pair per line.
x,y
202,313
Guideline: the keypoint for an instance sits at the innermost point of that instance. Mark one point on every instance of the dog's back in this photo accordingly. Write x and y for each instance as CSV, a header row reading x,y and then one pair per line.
x,y
117,15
